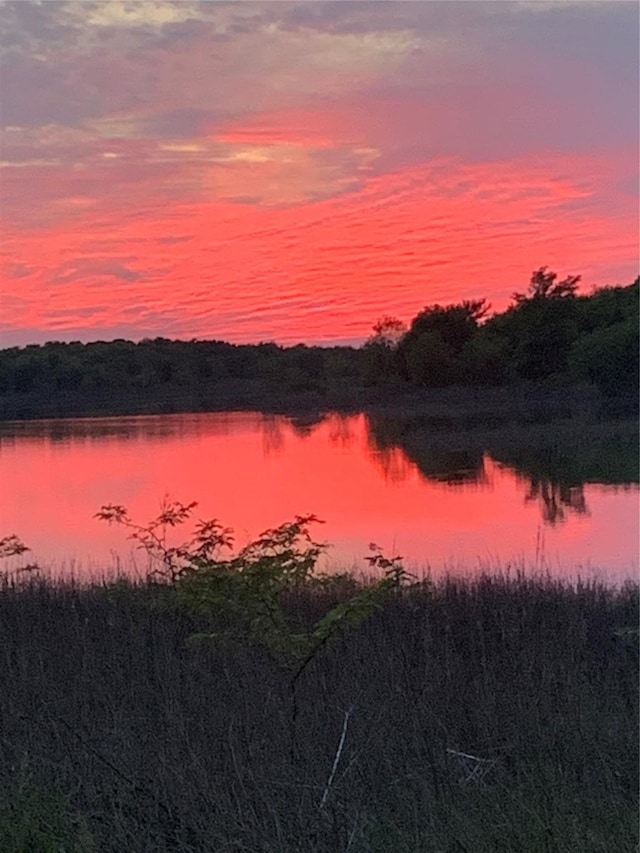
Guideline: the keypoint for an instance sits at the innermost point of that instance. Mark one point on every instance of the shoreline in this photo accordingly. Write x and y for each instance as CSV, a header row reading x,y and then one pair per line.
x,y
519,401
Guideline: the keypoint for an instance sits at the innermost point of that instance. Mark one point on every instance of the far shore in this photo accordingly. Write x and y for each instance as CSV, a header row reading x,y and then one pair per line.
x,y
522,402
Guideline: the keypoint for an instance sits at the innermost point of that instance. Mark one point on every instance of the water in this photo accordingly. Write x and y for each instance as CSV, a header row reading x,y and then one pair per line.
x,y
457,502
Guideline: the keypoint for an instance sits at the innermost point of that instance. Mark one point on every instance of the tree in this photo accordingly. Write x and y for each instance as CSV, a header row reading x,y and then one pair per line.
x,y
539,329
608,305
380,350
608,356
431,362
430,353
485,358
544,285
246,597
388,332
456,324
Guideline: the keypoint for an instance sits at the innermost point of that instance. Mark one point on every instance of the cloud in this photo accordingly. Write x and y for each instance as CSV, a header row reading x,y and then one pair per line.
x,y
82,268
172,241
68,170
177,123
293,169
324,271
17,270
267,56
127,15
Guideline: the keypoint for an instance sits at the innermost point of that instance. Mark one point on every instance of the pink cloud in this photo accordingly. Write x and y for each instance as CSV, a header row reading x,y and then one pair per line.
x,y
328,270
292,171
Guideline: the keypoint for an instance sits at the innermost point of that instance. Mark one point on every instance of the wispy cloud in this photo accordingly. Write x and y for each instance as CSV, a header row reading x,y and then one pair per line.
x,y
291,170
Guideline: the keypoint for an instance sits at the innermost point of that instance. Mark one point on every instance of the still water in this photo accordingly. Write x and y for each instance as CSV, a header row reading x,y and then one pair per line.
x,y
442,502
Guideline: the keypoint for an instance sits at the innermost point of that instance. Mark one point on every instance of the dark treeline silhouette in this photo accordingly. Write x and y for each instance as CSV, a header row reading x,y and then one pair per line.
x,y
162,376
550,333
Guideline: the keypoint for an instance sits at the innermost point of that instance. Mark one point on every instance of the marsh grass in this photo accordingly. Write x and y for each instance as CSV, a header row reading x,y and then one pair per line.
x,y
119,734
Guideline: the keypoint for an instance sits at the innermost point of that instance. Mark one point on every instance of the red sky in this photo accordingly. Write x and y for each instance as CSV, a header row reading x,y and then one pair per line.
x,y
292,171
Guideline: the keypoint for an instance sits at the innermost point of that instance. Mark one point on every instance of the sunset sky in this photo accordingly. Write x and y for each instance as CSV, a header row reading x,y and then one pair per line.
x,y
292,171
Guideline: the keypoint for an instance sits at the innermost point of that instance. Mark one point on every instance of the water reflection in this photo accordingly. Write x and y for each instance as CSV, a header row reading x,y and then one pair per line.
x,y
341,432
415,487
556,499
454,466
304,425
146,427
553,466
435,460
272,435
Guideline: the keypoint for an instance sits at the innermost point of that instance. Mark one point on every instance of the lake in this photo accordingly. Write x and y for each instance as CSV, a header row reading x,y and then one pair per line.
x,y
561,498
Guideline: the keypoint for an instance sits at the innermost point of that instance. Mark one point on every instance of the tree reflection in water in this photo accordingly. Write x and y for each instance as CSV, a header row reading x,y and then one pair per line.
x,y
393,462
456,466
556,499
553,461
399,446
546,458
304,425
272,435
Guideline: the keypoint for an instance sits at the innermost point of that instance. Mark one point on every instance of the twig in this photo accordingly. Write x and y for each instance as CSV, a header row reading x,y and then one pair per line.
x,y
473,767
336,760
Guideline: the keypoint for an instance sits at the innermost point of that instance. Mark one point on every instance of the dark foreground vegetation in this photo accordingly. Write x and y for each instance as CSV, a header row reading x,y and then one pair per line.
x,y
549,336
498,714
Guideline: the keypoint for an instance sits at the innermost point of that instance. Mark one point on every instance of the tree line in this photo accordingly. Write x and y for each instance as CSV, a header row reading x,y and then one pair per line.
x,y
549,332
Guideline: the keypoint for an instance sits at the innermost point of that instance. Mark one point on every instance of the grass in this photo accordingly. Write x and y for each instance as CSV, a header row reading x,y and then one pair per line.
x,y
117,733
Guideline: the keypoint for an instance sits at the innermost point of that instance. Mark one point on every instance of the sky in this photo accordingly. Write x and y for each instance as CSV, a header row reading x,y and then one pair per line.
x,y
294,171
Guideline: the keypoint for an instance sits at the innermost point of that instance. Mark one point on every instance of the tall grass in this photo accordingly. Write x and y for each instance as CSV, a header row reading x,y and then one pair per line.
x,y
117,733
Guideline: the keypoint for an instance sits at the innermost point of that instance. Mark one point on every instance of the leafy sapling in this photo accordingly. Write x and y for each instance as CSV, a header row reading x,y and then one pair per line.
x,y
172,562
13,546
247,597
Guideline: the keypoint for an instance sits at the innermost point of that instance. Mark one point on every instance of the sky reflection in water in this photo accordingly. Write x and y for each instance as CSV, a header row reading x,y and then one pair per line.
x,y
440,500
